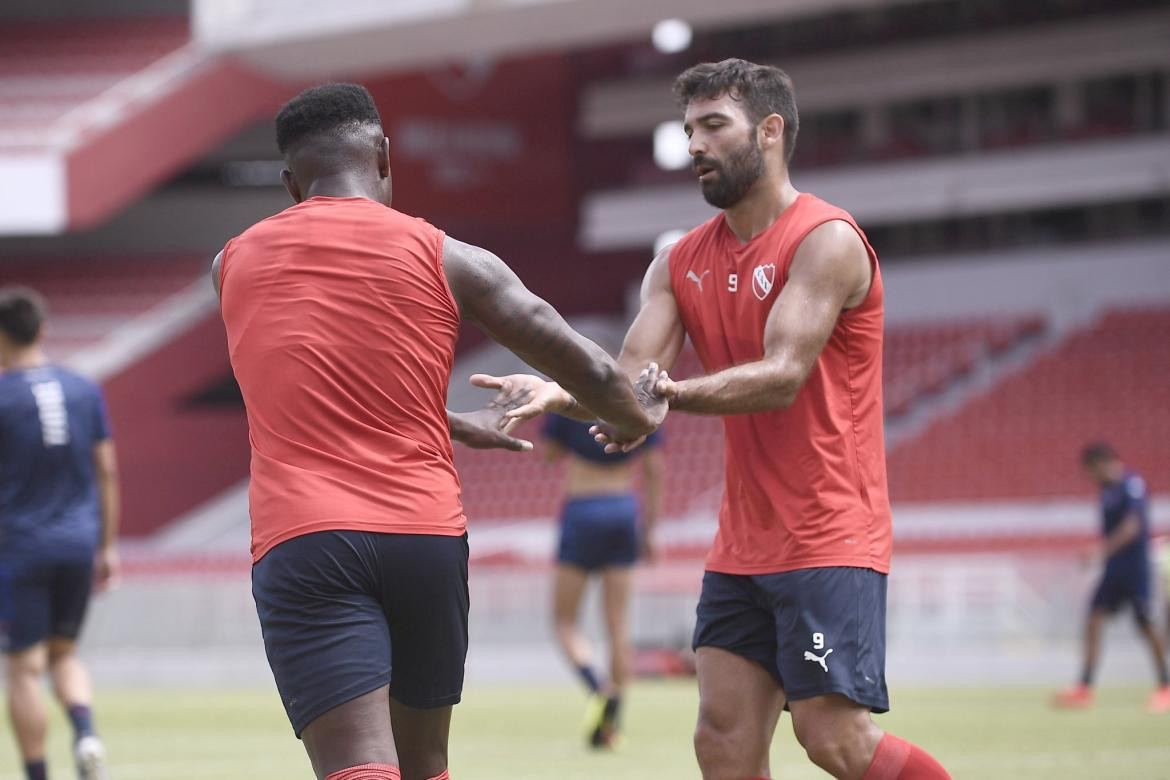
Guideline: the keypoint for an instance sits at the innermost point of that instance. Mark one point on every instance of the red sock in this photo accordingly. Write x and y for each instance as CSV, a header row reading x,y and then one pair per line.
x,y
897,759
445,776
366,772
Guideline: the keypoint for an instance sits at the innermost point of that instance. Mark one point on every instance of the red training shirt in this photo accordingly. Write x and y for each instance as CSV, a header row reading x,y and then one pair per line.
x,y
341,332
805,485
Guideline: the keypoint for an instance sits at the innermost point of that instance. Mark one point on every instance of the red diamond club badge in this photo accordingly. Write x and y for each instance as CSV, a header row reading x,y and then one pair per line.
x,y
762,279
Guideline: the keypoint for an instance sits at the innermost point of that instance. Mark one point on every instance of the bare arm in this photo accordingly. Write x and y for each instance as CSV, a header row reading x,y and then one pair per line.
x,y
656,335
216,266
490,295
106,471
830,273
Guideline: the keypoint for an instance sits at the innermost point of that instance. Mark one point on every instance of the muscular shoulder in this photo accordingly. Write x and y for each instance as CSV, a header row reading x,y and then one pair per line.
x,y
833,254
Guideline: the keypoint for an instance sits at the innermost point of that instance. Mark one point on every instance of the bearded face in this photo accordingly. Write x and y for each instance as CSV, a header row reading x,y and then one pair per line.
x,y
726,181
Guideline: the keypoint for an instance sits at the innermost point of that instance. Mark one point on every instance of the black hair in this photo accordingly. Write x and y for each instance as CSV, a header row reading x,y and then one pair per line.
x,y
324,110
1097,452
22,312
764,90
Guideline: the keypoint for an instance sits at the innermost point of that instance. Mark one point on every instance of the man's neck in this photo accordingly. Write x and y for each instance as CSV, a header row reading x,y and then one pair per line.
x,y
340,186
32,357
762,206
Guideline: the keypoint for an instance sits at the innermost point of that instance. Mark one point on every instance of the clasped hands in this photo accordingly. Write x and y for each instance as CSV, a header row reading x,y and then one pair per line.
x,y
521,397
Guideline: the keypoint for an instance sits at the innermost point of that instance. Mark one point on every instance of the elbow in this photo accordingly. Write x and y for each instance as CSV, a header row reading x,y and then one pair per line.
x,y
785,388
785,397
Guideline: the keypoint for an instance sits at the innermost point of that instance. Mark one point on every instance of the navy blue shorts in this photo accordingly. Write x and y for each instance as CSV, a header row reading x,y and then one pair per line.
x,y
817,631
599,532
1117,590
345,612
42,598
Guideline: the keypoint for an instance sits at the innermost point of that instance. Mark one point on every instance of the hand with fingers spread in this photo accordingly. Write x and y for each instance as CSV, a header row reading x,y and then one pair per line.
x,y
480,430
523,396
488,428
648,389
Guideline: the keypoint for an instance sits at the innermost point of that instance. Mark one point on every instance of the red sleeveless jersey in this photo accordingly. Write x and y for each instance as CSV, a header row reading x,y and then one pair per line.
x,y
341,331
805,485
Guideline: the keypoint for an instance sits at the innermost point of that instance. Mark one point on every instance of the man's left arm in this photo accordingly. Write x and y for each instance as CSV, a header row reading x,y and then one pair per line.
x,y
830,272
106,473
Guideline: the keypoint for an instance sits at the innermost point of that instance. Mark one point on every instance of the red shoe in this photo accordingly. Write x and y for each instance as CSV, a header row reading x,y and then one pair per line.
x,y
1159,701
1077,698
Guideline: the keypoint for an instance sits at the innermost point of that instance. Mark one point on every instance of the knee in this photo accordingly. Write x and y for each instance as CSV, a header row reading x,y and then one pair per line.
x,y
718,743
835,746
22,666
60,650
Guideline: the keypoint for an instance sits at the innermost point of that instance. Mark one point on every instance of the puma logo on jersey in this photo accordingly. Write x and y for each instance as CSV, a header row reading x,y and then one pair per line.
x,y
809,655
762,280
698,279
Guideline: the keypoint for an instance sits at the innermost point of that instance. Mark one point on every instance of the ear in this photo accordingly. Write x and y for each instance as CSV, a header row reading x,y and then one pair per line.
x,y
290,184
384,158
771,132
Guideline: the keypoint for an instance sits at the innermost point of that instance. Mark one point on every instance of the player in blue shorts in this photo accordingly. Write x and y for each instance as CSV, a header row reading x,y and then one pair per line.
x,y
1125,514
58,524
600,534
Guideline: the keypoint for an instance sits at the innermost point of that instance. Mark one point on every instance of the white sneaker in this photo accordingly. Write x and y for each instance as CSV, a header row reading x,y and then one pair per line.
x,y
91,758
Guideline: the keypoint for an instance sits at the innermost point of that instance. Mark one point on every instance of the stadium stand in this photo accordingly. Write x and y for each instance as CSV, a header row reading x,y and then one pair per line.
x,y
90,297
1021,440
50,68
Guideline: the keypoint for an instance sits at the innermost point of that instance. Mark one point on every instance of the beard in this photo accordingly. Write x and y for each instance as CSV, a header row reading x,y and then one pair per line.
x,y
734,177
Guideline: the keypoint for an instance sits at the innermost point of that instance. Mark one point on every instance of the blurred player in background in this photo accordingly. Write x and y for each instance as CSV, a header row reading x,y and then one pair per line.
x,y
341,316
1125,551
58,530
782,298
600,534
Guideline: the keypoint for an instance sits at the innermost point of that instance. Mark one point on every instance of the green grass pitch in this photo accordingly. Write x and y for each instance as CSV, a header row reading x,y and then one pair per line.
x,y
525,733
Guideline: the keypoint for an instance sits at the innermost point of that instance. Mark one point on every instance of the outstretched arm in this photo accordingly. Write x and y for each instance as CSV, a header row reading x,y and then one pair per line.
x,y
830,273
490,295
656,336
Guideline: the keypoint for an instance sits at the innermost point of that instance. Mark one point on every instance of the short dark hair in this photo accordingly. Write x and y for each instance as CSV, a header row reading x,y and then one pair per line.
x,y
1097,452
323,110
22,312
764,90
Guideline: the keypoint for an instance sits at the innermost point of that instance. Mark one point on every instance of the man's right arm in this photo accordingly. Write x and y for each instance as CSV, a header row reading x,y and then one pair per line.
x,y
106,473
656,335
490,295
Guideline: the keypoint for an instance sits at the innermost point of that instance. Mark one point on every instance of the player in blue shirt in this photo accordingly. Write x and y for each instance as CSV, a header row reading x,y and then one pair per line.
x,y
600,533
58,523
1125,515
